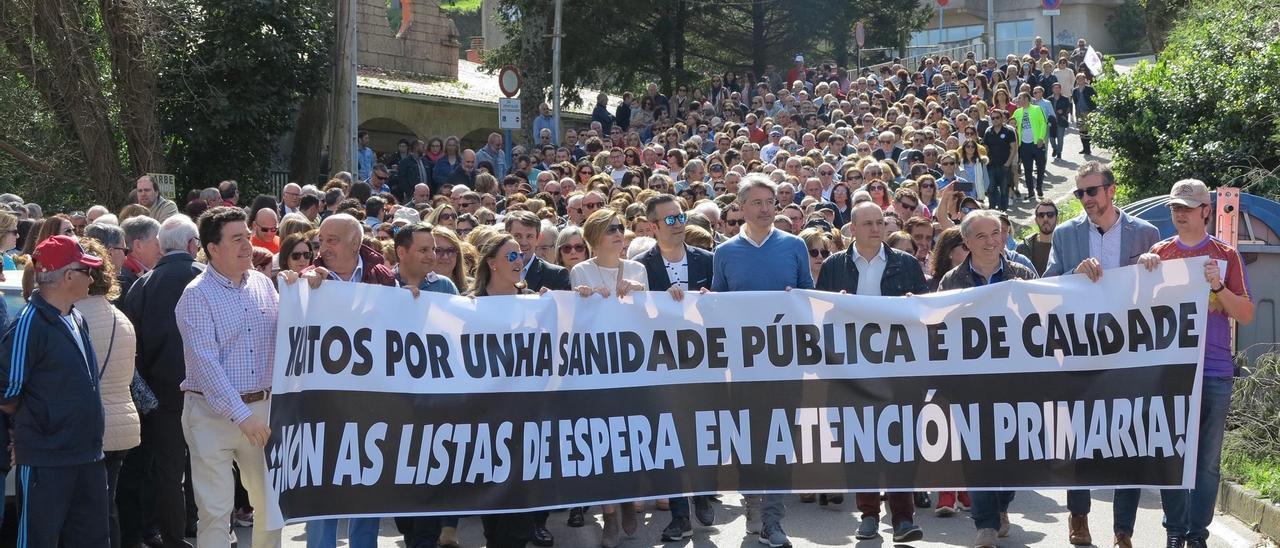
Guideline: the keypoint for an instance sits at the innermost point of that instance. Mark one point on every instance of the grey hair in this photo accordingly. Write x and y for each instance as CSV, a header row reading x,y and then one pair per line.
x,y
210,194
108,219
52,277
176,232
354,226
99,209
110,235
548,229
753,181
34,211
137,228
966,225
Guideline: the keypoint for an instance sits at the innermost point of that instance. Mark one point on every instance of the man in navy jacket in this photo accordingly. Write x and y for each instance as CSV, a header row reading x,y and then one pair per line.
x,y
49,385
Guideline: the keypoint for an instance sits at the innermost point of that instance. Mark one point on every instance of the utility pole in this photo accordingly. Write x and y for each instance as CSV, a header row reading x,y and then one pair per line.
x,y
555,75
342,131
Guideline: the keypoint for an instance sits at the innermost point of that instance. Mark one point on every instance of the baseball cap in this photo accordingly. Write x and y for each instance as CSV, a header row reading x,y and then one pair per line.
x,y
1190,193
799,58
775,132
828,206
407,214
60,251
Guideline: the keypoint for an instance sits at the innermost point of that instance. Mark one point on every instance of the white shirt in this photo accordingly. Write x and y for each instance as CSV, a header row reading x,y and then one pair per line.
x,y
870,272
744,235
1106,247
75,334
592,275
677,272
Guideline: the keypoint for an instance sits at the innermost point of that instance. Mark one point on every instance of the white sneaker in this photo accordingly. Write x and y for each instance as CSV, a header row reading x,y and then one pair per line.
x,y
986,539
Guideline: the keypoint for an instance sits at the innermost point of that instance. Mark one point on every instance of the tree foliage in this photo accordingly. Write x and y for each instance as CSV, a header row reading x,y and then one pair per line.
x,y
1128,24
1207,108
234,72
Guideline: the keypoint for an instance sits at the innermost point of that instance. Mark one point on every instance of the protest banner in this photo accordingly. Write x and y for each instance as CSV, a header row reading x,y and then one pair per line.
x,y
387,405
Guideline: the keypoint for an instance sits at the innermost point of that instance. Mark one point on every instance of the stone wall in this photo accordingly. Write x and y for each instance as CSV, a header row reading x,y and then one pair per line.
x,y
429,48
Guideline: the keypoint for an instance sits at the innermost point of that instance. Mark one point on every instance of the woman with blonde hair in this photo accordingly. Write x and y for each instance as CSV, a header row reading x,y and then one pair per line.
x,y
972,166
451,256
444,215
115,346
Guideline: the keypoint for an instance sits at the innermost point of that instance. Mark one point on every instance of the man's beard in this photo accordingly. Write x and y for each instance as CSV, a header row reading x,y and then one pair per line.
x,y
1042,231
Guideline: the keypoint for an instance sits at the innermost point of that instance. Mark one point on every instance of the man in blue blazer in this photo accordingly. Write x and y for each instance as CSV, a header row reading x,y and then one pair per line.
x,y
1102,239
676,267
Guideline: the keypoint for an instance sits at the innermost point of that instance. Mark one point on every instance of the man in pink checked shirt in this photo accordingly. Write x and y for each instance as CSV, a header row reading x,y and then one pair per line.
x,y
227,317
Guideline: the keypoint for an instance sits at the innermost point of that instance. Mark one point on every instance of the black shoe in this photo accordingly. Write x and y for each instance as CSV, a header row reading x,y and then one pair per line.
x,y
835,499
1175,541
1197,543
577,517
703,510
542,537
678,529
922,500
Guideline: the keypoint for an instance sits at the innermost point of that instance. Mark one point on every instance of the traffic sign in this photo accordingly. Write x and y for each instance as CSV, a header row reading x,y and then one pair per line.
x,y
943,3
1051,13
860,33
1051,4
509,80
508,113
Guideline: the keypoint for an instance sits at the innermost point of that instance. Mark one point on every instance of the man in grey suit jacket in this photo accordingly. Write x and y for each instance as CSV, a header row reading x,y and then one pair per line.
x,y
1102,239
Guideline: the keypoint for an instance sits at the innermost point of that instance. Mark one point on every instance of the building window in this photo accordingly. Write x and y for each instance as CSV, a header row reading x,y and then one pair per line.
x,y
949,34
1014,37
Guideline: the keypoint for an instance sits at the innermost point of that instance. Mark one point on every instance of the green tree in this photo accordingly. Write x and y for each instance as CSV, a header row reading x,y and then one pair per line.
x,y
1128,23
233,74
1206,108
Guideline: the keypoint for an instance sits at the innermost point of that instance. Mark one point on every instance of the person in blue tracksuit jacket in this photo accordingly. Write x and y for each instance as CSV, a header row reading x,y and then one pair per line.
x,y
49,388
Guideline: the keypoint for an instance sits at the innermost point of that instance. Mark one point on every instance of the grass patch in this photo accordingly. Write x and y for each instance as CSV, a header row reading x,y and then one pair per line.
x,y
1260,475
1251,446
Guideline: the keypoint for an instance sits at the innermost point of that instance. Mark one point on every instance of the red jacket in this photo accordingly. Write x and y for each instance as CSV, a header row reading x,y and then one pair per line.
x,y
376,271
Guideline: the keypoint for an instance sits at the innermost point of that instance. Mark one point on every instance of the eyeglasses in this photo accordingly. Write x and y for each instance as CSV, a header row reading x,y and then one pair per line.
x,y
301,255
513,256
1046,214
948,163
826,173
592,206
906,205
446,217
573,248
816,252
616,228
734,222
446,251
1091,191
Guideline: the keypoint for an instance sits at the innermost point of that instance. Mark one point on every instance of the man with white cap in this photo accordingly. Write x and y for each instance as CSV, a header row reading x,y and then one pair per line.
x,y
49,386
1188,513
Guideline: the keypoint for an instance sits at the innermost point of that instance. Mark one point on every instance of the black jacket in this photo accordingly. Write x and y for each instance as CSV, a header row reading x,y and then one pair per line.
x,y
902,274
59,420
408,176
150,305
699,268
543,274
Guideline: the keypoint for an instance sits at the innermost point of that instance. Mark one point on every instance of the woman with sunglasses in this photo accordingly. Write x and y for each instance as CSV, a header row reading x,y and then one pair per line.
x,y
585,172
879,192
57,225
296,252
927,187
973,167
820,247
451,260
571,247
608,274
445,216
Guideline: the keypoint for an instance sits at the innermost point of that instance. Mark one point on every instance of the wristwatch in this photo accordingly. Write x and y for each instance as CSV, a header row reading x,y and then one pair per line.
x,y
1221,286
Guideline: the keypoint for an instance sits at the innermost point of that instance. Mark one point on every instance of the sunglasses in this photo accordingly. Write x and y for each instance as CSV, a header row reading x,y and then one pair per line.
x,y
616,228
816,252
928,185
446,217
584,172
573,248
513,256
301,255
271,229
826,173
1091,191
1046,214
734,222
446,251
906,205
874,188
948,163
592,205
671,220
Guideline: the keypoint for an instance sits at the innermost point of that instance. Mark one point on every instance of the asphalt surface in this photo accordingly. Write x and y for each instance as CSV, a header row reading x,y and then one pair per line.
x,y
1039,518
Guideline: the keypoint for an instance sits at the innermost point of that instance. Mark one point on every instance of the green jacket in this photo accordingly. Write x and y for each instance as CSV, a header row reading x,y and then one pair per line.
x,y
1039,123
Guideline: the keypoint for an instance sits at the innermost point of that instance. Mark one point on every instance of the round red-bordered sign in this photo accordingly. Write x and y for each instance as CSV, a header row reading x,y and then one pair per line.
x,y
510,80
943,3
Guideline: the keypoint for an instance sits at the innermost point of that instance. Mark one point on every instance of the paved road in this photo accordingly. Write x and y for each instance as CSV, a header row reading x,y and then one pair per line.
x,y
1039,519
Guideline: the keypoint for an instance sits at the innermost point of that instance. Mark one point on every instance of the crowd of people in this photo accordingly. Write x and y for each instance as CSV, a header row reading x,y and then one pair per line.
x,y
889,184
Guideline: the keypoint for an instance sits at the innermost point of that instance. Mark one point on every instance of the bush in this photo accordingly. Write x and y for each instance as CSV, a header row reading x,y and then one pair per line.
x,y
1206,108
1251,446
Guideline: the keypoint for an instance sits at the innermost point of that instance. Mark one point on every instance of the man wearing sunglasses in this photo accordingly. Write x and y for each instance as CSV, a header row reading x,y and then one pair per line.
x,y
1102,239
1038,245
46,356
871,267
265,228
678,267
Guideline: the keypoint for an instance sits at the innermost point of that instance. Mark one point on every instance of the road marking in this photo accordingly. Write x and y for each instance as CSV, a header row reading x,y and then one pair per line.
x,y
1233,539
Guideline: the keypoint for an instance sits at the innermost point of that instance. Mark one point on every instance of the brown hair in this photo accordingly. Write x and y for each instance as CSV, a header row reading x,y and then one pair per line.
x,y
103,278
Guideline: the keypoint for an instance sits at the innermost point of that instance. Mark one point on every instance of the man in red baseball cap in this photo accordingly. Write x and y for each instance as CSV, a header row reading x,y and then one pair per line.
x,y
49,386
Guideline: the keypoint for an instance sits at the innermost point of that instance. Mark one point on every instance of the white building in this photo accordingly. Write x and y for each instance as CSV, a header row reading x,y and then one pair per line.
x,y
1016,24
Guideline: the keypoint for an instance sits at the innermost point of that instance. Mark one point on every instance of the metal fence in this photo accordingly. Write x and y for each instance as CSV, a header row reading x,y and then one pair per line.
x,y
953,50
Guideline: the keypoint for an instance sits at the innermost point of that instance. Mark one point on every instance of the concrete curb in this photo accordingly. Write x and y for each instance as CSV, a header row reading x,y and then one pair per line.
x,y
1261,514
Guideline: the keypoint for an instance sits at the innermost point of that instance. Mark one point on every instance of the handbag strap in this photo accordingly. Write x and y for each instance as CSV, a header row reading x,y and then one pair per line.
x,y
110,346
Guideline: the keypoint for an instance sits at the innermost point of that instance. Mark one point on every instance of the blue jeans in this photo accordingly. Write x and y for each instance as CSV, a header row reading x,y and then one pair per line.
x,y
998,186
772,509
361,533
680,506
1189,513
1057,136
987,507
1124,507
